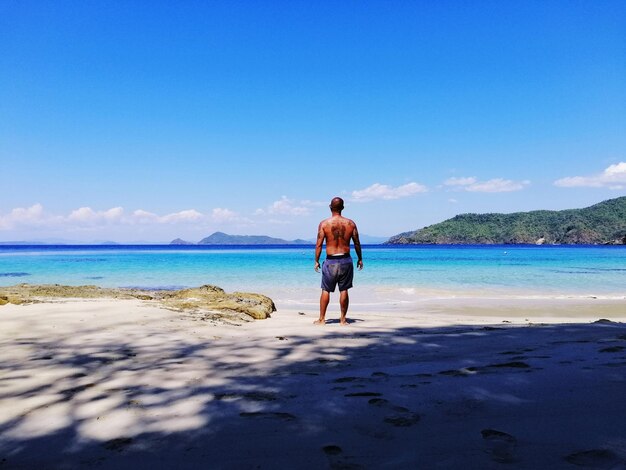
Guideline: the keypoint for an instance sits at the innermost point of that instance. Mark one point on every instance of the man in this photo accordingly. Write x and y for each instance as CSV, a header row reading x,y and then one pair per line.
x,y
337,231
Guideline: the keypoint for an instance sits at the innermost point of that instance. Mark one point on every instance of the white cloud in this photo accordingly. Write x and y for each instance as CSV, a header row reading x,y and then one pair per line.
x,y
113,214
286,206
87,214
32,215
190,215
83,214
462,181
613,177
224,215
495,185
83,217
383,191
142,216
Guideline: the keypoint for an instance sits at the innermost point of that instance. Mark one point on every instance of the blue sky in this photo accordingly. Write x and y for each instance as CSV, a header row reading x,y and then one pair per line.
x,y
137,120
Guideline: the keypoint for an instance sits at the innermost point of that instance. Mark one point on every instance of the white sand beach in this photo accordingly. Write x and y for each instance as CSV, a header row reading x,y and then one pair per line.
x,y
449,383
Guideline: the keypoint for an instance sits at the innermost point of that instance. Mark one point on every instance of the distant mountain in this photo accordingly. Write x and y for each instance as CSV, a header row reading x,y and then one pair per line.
x,y
23,243
220,238
55,241
372,240
179,241
42,241
603,223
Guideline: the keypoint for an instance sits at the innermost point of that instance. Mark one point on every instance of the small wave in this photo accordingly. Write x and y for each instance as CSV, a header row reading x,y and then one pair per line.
x,y
608,269
564,271
82,260
14,274
94,277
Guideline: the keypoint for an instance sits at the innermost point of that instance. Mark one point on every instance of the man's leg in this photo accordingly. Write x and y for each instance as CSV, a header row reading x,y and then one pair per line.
x,y
324,300
344,302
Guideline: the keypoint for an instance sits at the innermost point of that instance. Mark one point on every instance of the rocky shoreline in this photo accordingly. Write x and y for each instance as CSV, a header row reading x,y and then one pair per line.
x,y
208,300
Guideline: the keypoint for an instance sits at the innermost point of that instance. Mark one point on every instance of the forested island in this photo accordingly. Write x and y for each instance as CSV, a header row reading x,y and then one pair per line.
x,y
220,238
601,224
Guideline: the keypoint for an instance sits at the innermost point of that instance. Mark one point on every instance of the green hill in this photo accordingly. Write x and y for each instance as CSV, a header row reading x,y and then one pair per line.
x,y
603,223
220,238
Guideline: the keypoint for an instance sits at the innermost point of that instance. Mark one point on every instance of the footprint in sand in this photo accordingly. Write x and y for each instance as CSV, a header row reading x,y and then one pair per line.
x,y
510,353
380,374
399,416
268,414
43,358
379,402
596,458
513,365
338,461
501,445
118,444
332,450
363,394
346,379
464,372
69,393
253,396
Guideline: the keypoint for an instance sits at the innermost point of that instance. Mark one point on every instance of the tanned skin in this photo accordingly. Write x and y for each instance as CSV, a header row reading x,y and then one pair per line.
x,y
336,231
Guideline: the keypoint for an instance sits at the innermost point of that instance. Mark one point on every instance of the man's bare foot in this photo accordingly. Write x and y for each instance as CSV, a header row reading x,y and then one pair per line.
x,y
319,322
344,322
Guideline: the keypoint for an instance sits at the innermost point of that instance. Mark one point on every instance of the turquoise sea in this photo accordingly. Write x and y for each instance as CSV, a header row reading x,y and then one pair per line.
x,y
286,272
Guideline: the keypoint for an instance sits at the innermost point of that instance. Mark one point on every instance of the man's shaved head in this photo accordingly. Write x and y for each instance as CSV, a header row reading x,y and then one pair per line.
x,y
336,205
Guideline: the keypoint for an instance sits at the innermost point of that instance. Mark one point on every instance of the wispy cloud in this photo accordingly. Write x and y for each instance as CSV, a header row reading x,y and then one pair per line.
x,y
86,217
223,215
286,206
613,177
383,191
144,217
460,181
495,185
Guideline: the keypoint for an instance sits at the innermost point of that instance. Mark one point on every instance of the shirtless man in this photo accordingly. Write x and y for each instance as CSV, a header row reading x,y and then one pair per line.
x,y
336,231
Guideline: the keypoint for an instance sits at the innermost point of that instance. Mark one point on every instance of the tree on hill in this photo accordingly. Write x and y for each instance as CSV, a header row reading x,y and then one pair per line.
x,y
603,223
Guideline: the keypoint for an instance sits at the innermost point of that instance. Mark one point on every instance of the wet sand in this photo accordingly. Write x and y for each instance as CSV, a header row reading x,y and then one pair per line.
x,y
441,383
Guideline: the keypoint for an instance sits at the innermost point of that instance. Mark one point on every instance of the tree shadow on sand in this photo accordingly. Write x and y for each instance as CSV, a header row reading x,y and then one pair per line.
x,y
460,396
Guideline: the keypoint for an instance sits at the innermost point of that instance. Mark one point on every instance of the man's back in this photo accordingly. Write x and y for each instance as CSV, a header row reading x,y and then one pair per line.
x,y
337,231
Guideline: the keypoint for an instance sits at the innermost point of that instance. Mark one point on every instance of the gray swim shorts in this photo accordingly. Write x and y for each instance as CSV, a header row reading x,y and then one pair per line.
x,y
337,270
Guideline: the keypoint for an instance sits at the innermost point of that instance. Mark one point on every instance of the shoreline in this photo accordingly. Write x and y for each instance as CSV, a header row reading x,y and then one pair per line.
x,y
440,302
124,383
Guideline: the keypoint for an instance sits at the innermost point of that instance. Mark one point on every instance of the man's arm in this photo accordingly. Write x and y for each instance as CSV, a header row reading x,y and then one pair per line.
x,y
318,246
357,247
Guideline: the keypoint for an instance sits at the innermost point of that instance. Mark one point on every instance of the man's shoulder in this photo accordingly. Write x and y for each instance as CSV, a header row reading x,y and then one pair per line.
x,y
341,219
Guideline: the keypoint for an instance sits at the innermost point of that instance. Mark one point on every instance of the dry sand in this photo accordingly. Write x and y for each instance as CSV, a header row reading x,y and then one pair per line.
x,y
452,383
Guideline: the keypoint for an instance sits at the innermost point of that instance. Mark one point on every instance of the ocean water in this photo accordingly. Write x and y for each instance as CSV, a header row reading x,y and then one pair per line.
x,y
286,272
